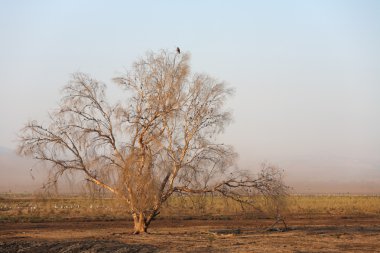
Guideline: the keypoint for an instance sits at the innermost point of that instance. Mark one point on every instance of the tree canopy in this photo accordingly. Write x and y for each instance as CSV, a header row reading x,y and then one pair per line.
x,y
160,140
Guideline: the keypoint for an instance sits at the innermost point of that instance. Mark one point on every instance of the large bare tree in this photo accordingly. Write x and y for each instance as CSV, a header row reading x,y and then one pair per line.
x,y
159,141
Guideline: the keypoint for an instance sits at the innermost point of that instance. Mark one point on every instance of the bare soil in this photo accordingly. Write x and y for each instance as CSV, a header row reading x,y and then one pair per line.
x,y
315,233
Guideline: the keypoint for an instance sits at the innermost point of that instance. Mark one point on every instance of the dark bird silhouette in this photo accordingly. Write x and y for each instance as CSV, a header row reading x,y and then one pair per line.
x,y
178,50
30,172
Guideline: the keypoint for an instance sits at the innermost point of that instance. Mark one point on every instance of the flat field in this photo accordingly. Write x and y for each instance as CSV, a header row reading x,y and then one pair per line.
x,y
316,224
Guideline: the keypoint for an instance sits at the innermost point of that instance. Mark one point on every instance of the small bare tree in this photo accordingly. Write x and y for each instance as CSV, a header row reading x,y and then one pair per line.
x,y
159,141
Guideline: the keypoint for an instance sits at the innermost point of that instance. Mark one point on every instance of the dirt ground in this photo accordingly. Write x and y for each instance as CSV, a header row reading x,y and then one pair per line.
x,y
306,234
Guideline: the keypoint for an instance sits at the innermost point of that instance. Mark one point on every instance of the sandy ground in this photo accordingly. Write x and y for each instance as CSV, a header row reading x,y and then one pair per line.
x,y
306,234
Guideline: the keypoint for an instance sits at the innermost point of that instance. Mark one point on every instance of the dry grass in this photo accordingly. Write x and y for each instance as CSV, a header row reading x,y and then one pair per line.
x,y
336,205
36,208
295,205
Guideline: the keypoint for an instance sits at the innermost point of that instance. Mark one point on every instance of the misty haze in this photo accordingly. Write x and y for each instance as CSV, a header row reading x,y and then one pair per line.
x,y
212,124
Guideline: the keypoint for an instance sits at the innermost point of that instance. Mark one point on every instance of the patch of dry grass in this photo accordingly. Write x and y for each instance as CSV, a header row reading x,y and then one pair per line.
x,y
37,208
337,205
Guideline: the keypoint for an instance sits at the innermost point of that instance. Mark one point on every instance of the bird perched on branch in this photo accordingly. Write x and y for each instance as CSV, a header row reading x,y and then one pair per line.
x,y
178,50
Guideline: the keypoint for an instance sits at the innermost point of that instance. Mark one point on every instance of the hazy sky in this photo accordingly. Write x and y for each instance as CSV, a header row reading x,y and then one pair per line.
x,y
306,73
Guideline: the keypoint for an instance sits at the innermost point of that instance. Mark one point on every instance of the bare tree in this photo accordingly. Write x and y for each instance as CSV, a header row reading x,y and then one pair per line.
x,y
161,140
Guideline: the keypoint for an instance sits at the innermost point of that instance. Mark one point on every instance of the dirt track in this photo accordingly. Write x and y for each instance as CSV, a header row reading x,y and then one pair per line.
x,y
307,234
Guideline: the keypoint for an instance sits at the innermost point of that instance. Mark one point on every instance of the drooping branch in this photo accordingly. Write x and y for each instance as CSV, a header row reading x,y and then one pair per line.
x,y
241,188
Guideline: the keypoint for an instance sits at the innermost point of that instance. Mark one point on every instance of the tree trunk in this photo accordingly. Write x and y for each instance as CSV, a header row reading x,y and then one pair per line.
x,y
141,225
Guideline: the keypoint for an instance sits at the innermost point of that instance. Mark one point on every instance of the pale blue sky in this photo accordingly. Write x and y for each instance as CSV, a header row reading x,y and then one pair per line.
x,y
306,73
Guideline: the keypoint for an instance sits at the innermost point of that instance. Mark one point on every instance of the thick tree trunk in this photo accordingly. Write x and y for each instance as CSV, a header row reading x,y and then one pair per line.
x,y
140,222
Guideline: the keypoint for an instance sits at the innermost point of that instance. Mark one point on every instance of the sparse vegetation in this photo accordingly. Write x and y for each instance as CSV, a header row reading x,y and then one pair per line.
x,y
37,209
335,205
